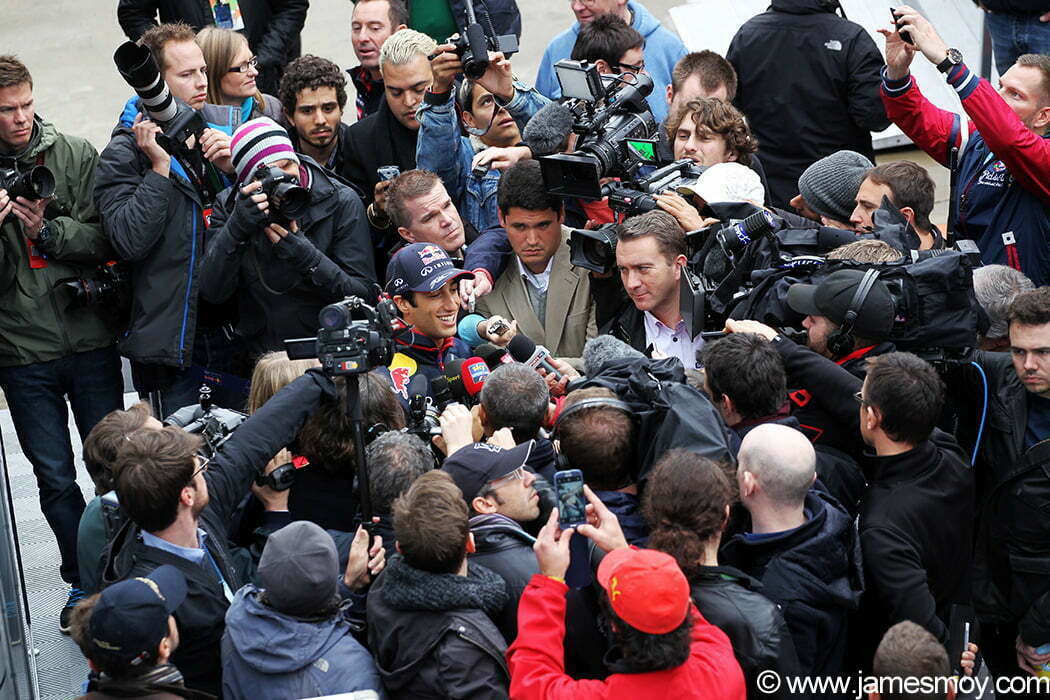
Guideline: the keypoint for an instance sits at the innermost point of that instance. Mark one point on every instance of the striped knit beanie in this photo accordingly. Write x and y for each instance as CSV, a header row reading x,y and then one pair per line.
x,y
259,142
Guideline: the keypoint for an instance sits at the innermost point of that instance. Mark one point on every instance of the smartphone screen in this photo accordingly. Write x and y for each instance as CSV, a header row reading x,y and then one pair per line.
x,y
572,503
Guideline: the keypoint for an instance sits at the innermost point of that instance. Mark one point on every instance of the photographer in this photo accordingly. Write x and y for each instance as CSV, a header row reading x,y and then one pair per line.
x,y
650,254
909,187
52,345
153,207
828,189
1003,191
180,512
284,266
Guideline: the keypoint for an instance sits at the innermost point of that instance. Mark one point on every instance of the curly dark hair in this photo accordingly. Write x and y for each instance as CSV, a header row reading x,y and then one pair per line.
x,y
310,71
644,652
718,117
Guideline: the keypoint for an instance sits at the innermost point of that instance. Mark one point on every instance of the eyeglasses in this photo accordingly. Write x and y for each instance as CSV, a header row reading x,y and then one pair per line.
x,y
631,67
252,64
203,462
518,473
859,396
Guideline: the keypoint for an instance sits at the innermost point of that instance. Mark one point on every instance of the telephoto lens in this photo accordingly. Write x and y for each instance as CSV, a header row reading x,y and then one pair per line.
x,y
37,182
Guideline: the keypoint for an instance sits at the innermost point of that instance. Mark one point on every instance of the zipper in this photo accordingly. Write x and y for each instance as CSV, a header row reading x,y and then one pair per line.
x,y
189,286
461,632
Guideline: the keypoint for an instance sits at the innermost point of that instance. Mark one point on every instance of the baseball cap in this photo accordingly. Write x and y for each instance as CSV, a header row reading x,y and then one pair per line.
x,y
421,267
646,589
832,297
131,617
726,182
473,466
299,569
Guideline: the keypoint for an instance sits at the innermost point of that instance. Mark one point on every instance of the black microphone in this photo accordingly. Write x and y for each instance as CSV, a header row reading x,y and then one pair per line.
x,y
419,385
453,375
548,130
529,353
493,355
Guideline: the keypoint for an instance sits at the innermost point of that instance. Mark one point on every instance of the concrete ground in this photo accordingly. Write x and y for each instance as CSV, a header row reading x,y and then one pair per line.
x,y
68,46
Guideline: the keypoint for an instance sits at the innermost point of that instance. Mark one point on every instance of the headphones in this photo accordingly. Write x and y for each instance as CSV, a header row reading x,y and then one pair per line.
x,y
596,402
840,341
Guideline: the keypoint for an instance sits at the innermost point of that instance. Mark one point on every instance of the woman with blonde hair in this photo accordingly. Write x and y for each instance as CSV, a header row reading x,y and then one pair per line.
x,y
272,372
232,72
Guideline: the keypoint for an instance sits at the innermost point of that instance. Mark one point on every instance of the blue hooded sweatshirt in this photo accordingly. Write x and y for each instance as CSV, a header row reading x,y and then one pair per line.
x,y
266,654
662,51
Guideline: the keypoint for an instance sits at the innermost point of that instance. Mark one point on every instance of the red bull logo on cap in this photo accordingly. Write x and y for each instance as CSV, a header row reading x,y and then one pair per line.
x,y
431,254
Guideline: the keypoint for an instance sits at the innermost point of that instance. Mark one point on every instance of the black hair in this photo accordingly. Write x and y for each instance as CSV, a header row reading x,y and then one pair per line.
x,y
605,38
746,368
644,652
908,393
310,72
522,186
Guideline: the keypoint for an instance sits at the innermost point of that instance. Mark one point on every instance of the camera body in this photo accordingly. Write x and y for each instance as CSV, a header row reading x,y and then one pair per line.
x,y
36,182
110,286
346,346
594,250
288,201
474,43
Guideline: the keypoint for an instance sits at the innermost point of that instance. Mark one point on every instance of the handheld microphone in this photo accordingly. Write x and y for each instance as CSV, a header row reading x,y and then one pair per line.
x,y
523,350
474,372
454,378
493,355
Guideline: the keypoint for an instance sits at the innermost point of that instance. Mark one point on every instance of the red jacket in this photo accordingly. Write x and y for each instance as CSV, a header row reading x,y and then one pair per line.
x,y
537,668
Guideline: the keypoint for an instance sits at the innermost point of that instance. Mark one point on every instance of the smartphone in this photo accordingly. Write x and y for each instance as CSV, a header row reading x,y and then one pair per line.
x,y
572,504
388,172
905,36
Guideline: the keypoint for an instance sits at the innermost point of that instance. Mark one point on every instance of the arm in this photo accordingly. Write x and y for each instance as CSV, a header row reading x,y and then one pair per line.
x,y
546,80
260,437
136,16
864,64
896,575
287,18
835,385
490,252
132,200
77,235
222,260
439,145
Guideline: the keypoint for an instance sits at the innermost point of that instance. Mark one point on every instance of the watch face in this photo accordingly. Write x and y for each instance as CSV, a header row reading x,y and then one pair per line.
x,y
955,56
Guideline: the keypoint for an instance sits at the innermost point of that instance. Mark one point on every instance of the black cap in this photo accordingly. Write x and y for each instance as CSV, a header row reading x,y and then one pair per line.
x,y
832,297
473,466
421,267
131,617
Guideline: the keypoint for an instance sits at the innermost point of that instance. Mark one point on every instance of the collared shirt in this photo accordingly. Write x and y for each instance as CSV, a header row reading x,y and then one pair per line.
x,y
194,554
672,343
541,280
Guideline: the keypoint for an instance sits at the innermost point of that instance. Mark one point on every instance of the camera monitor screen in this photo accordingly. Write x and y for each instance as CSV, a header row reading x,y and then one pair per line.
x,y
579,80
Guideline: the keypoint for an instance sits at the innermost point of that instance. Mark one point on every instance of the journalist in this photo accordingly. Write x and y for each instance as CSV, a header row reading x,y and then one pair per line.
x,y
282,265
908,187
153,207
53,345
827,189
180,511
395,460
996,287
697,74
232,74
313,95
421,210
1003,199
372,22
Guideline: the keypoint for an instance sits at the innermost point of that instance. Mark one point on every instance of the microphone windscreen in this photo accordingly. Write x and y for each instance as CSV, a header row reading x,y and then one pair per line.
x,y
599,351
474,373
454,376
548,130
521,347
493,355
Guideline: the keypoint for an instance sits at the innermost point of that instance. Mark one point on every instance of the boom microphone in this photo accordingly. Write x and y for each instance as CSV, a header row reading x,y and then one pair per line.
x,y
548,130
529,353
599,351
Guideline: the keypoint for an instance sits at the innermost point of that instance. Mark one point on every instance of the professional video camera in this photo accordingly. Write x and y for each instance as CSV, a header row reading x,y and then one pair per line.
x,y
288,201
474,43
177,120
347,346
214,424
615,127
33,183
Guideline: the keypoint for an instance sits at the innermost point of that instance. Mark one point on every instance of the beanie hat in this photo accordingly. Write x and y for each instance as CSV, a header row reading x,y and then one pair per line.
x,y
299,569
830,185
257,143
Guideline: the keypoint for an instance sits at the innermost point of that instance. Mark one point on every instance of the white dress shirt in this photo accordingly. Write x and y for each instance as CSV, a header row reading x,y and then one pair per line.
x,y
672,342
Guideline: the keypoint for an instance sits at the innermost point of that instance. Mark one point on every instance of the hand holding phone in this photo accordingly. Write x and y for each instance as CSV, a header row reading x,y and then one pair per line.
x,y
572,504
905,36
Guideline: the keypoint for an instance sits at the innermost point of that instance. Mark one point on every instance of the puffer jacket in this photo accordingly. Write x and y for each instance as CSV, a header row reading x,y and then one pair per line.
x,y
39,322
432,636
266,654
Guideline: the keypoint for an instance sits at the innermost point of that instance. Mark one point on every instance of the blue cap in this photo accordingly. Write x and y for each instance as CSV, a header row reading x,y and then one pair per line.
x,y
474,466
131,617
421,267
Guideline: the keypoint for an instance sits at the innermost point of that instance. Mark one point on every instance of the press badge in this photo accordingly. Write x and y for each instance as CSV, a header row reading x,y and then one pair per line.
x,y
227,14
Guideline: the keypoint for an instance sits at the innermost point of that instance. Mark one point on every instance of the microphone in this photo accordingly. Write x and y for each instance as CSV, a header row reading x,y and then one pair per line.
x,y
493,355
418,386
453,376
523,350
548,130
474,372
468,329
599,351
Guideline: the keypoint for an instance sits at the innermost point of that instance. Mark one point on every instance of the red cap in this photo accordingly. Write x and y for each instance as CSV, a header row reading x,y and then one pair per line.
x,y
646,589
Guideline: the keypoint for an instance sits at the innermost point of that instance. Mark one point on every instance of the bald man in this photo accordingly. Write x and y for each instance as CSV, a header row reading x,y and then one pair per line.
x,y
801,545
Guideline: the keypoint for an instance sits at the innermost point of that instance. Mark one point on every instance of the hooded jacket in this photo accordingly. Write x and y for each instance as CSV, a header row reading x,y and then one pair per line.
x,y
40,322
662,51
267,654
432,634
809,85
815,574
282,287
503,546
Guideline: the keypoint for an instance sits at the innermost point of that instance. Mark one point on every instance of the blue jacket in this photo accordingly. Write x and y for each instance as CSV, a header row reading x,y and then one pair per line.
x,y
266,654
662,51
439,128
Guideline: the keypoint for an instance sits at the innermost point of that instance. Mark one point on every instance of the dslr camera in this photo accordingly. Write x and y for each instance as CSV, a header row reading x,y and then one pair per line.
x,y
36,182
474,43
288,201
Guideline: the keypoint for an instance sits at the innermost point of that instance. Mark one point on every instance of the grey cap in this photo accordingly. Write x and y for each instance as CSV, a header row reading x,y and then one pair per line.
x,y
299,569
830,185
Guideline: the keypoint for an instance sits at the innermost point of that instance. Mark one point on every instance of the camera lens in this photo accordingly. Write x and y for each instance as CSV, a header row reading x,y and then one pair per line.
x,y
41,182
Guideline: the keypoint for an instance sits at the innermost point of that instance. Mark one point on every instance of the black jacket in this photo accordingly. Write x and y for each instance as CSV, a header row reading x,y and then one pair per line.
x,y
815,574
201,617
1016,7
432,634
916,532
809,85
282,287
503,14
337,161
378,139
271,26
504,547
733,602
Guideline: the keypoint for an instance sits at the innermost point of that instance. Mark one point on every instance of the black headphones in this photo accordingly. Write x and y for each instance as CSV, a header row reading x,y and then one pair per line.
x,y
596,402
840,341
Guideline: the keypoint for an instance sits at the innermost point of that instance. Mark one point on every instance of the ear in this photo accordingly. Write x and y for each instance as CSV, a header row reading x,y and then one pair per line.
x,y
406,234
187,496
1041,120
402,304
725,518
679,262
603,66
471,548
397,546
499,215
400,27
670,95
747,483
468,119
909,214
731,157
561,216
872,418
483,505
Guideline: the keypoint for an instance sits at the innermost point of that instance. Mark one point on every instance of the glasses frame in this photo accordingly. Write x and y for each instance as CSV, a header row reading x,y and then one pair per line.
x,y
252,64
205,462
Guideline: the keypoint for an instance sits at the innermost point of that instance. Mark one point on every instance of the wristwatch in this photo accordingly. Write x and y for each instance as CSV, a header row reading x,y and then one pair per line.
x,y
953,59
43,237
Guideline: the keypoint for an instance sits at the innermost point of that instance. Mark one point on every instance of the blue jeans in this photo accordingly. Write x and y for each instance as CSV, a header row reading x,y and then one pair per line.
x,y
36,395
1013,35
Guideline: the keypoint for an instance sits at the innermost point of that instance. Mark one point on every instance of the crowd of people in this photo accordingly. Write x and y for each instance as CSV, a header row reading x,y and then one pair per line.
x,y
755,500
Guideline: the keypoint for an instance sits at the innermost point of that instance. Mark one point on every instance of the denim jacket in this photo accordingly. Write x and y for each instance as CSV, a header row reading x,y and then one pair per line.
x,y
475,197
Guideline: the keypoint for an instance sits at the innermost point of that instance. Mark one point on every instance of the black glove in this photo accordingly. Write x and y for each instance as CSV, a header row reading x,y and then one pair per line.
x,y
247,218
297,249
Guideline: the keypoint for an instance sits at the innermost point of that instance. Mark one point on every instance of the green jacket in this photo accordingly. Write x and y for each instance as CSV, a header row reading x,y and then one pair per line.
x,y
38,321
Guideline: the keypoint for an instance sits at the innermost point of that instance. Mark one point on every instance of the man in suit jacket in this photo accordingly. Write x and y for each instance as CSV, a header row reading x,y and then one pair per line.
x,y
548,297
